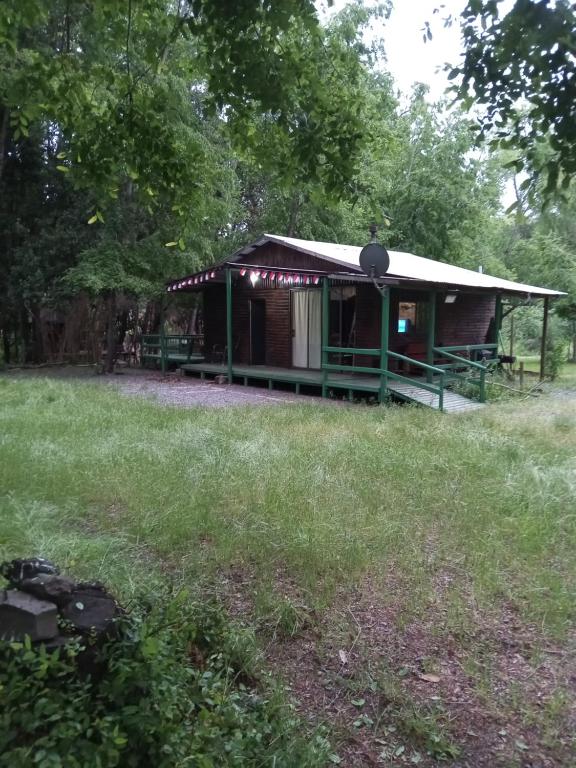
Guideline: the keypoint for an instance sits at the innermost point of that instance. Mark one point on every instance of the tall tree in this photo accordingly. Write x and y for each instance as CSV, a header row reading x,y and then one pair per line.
x,y
519,67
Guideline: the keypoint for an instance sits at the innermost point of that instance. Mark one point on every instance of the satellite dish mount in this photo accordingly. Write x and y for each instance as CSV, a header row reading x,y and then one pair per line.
x,y
375,260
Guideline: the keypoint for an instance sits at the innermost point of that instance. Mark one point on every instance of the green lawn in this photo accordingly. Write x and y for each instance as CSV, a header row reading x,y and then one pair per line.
x,y
324,492
566,375
313,499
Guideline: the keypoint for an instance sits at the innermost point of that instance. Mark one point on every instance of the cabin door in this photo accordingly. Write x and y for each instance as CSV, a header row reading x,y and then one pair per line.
x,y
257,332
306,328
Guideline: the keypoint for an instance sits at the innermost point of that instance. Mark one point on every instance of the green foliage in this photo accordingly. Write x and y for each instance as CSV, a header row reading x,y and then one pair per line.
x,y
555,359
166,691
519,65
117,82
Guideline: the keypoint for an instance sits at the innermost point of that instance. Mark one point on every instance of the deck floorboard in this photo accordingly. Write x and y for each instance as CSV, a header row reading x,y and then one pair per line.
x,y
453,402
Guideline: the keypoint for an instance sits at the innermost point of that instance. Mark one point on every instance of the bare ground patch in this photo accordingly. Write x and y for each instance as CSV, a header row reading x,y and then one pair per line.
x,y
402,687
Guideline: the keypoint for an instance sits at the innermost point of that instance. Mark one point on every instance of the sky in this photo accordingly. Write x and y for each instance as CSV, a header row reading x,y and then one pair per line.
x,y
409,58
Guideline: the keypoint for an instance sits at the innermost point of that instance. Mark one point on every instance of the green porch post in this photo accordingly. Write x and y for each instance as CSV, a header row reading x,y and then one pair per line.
x,y
497,322
543,342
325,324
163,334
229,323
384,338
431,333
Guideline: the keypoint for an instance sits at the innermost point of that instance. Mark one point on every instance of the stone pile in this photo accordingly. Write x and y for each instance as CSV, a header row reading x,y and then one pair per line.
x,y
49,607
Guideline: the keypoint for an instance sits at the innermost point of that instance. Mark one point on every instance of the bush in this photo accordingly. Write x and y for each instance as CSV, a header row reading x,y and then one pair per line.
x,y
555,358
171,689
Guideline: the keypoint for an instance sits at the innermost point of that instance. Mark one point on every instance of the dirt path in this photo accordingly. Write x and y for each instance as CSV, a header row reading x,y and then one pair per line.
x,y
188,391
173,388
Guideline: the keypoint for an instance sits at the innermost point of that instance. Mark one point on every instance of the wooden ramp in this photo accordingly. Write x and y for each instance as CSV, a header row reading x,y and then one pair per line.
x,y
453,403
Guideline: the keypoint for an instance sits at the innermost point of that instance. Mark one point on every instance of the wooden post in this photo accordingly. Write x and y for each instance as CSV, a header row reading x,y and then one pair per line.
x,y
521,374
384,340
512,335
325,333
497,322
163,334
543,344
229,342
431,333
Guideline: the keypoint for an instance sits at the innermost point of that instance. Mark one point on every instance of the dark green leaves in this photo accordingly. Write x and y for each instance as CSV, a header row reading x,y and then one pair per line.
x,y
522,69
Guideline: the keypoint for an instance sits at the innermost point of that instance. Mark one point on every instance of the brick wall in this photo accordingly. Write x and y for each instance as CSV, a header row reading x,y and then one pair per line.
x,y
278,338
467,321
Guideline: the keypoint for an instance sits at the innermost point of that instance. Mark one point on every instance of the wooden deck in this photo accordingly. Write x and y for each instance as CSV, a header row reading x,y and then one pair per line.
x,y
453,403
297,377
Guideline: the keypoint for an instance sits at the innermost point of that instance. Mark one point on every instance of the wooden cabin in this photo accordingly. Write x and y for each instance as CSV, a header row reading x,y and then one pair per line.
x,y
303,313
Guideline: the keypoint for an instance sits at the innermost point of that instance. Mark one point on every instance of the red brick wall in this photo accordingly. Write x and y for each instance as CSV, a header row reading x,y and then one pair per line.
x,y
278,338
464,322
214,310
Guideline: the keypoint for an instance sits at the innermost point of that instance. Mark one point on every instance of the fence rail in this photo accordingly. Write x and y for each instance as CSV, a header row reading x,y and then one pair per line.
x,y
170,347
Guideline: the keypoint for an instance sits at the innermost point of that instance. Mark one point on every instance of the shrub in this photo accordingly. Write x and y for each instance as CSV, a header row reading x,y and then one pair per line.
x,y
171,688
555,358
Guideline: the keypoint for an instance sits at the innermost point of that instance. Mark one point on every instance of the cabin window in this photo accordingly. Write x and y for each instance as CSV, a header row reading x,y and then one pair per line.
x,y
412,316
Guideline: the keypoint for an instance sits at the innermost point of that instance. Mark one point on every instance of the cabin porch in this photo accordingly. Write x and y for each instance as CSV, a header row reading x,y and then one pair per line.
x,y
333,334
435,393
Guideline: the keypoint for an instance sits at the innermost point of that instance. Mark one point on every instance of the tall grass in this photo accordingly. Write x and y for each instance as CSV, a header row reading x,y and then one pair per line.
x,y
328,494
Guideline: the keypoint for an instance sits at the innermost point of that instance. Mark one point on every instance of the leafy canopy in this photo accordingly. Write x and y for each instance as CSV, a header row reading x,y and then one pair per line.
x,y
520,67
115,80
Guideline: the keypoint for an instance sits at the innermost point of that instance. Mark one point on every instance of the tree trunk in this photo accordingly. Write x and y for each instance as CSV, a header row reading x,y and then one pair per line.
x,y
6,345
111,333
294,208
36,352
4,122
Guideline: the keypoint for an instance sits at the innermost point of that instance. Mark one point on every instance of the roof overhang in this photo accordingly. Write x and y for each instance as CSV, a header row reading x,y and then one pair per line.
x,y
406,270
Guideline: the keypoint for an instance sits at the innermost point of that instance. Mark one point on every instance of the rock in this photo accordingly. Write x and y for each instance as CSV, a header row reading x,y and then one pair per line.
x,y
49,586
22,614
90,608
220,379
16,571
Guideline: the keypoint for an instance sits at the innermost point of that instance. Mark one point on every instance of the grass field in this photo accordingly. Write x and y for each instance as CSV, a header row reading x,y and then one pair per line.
x,y
289,512
566,375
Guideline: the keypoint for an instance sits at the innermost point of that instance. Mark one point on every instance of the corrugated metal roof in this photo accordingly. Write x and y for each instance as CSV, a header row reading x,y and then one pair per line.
x,y
405,265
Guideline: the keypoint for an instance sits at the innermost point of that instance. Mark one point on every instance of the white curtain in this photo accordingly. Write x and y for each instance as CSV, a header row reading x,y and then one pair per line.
x,y
307,327
300,329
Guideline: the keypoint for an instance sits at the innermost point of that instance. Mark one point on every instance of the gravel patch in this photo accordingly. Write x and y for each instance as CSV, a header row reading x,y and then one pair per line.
x,y
189,392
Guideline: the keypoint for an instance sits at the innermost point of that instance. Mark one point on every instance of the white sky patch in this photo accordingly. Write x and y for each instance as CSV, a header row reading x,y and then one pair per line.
x,y
410,59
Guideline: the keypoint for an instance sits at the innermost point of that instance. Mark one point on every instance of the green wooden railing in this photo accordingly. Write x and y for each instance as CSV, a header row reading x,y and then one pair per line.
x,y
170,347
435,387
471,367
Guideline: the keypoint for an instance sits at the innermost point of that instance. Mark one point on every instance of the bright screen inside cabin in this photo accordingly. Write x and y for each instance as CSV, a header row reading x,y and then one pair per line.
x,y
406,316
413,316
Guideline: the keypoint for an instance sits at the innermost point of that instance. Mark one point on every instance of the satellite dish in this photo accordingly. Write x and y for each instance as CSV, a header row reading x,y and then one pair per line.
x,y
374,260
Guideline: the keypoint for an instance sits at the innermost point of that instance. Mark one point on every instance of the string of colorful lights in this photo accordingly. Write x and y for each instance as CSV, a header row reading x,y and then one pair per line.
x,y
253,275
